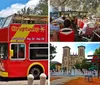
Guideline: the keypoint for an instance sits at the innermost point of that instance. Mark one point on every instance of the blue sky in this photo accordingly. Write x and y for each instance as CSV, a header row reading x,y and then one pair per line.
x,y
9,7
7,3
89,48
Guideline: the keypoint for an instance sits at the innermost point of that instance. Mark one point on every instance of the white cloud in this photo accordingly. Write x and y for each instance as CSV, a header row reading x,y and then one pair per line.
x,y
16,7
89,53
32,3
10,10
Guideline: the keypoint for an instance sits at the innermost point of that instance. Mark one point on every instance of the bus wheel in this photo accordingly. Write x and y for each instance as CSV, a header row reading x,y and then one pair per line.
x,y
36,71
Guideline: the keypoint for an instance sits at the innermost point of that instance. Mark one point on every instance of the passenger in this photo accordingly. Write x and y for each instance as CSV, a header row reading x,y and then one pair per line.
x,y
75,28
67,23
54,28
86,27
60,21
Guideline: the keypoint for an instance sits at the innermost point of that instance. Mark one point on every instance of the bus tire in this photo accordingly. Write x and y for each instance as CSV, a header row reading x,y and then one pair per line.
x,y
36,71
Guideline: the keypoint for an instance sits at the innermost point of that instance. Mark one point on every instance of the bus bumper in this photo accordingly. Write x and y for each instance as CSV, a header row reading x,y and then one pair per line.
x,y
3,74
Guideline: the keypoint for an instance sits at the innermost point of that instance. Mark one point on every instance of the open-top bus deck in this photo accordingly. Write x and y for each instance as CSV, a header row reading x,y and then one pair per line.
x,y
23,45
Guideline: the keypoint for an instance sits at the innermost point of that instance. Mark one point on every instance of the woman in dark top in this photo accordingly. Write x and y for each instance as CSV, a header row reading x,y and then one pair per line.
x,y
67,23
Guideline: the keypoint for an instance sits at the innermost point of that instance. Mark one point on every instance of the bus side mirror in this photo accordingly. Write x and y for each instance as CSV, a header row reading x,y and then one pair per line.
x,y
11,53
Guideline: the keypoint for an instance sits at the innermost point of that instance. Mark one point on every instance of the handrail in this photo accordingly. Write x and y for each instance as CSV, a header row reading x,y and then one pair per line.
x,y
96,34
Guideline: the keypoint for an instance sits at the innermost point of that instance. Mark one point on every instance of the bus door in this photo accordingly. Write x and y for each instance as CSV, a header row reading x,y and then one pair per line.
x,y
3,56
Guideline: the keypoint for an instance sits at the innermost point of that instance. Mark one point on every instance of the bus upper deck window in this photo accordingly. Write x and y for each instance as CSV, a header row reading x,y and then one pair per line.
x,y
25,22
32,22
16,21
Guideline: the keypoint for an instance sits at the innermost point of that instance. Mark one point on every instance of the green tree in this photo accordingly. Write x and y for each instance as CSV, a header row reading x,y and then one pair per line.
x,y
97,51
52,66
90,6
25,10
83,65
77,65
86,65
41,8
52,52
89,65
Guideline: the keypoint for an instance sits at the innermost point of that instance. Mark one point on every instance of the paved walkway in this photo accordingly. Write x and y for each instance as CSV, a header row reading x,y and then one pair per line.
x,y
36,82
62,80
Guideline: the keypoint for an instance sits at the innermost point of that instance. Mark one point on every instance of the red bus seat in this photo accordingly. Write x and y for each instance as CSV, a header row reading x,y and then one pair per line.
x,y
89,30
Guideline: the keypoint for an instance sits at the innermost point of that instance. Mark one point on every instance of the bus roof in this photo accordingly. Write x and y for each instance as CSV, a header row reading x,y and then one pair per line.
x,y
23,19
42,18
30,17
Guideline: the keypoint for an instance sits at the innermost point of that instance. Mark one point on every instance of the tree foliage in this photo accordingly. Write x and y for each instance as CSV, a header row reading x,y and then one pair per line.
x,y
26,10
52,66
88,65
52,51
40,9
97,51
83,65
91,6
77,65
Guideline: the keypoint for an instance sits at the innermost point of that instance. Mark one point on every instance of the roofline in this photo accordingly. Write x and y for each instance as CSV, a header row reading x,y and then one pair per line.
x,y
66,47
27,15
55,62
31,15
81,46
70,11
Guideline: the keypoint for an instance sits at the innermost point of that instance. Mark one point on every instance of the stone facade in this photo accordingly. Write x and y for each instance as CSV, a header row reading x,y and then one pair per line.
x,y
69,60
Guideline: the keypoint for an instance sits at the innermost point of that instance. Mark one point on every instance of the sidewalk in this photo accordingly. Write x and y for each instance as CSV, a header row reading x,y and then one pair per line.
x,y
36,82
62,80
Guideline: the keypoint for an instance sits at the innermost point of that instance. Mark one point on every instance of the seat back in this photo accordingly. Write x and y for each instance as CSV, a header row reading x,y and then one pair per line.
x,y
90,28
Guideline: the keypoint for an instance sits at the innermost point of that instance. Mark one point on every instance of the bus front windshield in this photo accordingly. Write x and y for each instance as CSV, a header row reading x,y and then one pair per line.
x,y
4,22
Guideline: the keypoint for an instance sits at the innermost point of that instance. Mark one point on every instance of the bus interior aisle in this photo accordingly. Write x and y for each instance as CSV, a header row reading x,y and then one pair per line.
x,y
72,28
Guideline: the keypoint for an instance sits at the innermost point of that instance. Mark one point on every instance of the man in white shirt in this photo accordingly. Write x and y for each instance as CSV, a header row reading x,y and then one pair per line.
x,y
60,20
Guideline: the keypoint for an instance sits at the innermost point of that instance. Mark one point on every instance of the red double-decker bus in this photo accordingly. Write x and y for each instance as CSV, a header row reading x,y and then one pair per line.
x,y
23,46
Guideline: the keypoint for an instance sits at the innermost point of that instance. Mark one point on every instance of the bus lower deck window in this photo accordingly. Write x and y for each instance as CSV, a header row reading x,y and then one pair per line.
x,y
38,51
18,51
